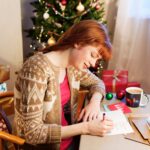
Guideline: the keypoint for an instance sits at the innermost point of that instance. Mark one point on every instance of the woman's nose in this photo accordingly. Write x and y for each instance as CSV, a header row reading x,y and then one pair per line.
x,y
94,63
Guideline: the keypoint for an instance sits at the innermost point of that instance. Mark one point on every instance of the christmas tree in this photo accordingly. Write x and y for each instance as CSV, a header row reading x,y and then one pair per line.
x,y
53,17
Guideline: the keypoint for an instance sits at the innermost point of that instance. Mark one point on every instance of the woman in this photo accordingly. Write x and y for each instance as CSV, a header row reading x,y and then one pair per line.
x,y
47,87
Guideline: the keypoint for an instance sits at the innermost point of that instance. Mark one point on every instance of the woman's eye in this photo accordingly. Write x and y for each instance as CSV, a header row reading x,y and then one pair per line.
x,y
94,55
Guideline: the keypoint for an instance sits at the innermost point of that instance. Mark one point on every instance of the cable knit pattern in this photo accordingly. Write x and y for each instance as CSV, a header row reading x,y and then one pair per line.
x,y
37,99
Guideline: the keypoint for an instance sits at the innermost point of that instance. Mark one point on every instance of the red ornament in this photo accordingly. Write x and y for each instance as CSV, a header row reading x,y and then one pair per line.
x,y
48,5
121,94
97,7
64,2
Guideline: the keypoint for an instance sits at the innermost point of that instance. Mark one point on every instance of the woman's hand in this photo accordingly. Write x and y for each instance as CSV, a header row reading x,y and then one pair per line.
x,y
92,110
99,127
96,127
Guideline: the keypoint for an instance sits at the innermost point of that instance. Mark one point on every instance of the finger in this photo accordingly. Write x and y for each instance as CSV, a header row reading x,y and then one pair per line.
x,y
98,116
108,122
105,127
81,114
107,118
95,116
86,117
109,128
90,117
108,125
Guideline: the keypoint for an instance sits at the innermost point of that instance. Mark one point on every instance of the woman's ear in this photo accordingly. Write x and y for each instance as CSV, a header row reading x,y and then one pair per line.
x,y
77,46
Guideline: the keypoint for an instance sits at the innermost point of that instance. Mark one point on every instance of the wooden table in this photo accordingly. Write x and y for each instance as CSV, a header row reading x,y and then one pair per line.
x,y
114,142
7,104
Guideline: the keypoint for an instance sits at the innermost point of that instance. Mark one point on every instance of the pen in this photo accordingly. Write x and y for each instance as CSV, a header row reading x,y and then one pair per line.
x,y
104,114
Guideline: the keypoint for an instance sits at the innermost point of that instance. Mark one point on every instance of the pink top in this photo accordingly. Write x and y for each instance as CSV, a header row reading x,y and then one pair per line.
x,y
65,99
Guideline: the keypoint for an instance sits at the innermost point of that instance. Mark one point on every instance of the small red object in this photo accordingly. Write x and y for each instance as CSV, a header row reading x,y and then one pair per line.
x,y
120,105
97,7
48,5
63,2
121,94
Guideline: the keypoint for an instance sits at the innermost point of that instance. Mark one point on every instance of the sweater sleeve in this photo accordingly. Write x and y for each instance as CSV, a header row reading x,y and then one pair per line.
x,y
30,89
92,82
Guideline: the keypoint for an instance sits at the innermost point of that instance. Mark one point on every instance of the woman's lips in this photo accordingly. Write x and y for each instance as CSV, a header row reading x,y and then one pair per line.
x,y
85,66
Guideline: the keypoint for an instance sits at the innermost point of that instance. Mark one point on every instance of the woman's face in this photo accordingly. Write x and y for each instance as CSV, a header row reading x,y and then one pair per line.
x,y
85,56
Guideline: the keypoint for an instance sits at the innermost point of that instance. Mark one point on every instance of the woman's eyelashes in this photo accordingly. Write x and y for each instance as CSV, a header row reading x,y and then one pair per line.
x,y
94,55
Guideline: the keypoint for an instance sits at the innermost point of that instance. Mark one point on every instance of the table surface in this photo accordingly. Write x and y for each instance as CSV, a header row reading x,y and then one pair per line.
x,y
115,142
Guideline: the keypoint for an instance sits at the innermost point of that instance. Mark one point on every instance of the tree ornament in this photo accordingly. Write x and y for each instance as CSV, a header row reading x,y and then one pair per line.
x,y
80,7
62,6
63,2
58,24
48,5
46,15
109,96
31,45
120,94
51,41
97,7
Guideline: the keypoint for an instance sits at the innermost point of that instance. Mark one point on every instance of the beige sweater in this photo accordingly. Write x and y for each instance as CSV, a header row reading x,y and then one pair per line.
x,y
37,99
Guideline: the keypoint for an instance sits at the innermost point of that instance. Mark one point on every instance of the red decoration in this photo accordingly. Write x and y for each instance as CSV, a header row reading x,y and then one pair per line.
x,y
63,2
48,5
121,106
115,80
97,7
121,94
135,84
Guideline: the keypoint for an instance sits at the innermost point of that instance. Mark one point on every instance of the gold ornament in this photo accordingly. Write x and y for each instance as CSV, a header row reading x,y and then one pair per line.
x,y
80,7
58,24
51,41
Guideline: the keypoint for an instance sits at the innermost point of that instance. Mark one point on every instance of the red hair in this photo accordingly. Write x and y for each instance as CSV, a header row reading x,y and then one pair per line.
x,y
86,32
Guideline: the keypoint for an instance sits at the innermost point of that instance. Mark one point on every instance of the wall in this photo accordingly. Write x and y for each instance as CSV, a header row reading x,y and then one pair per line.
x,y
11,52
26,13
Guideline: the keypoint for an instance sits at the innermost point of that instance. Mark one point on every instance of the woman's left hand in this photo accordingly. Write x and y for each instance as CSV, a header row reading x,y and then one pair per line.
x,y
92,110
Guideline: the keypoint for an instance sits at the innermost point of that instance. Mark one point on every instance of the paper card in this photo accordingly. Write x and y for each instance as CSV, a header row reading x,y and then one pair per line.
x,y
120,106
121,124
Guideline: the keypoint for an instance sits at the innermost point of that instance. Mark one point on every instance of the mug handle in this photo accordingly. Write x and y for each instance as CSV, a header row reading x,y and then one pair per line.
x,y
144,104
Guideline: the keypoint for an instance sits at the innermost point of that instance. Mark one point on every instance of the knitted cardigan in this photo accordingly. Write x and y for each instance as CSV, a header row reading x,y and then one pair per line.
x,y
38,103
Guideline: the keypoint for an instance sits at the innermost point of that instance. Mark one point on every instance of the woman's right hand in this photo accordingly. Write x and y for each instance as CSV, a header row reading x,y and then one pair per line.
x,y
99,127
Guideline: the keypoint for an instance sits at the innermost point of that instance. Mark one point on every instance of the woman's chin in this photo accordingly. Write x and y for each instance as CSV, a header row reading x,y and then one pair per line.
x,y
82,68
